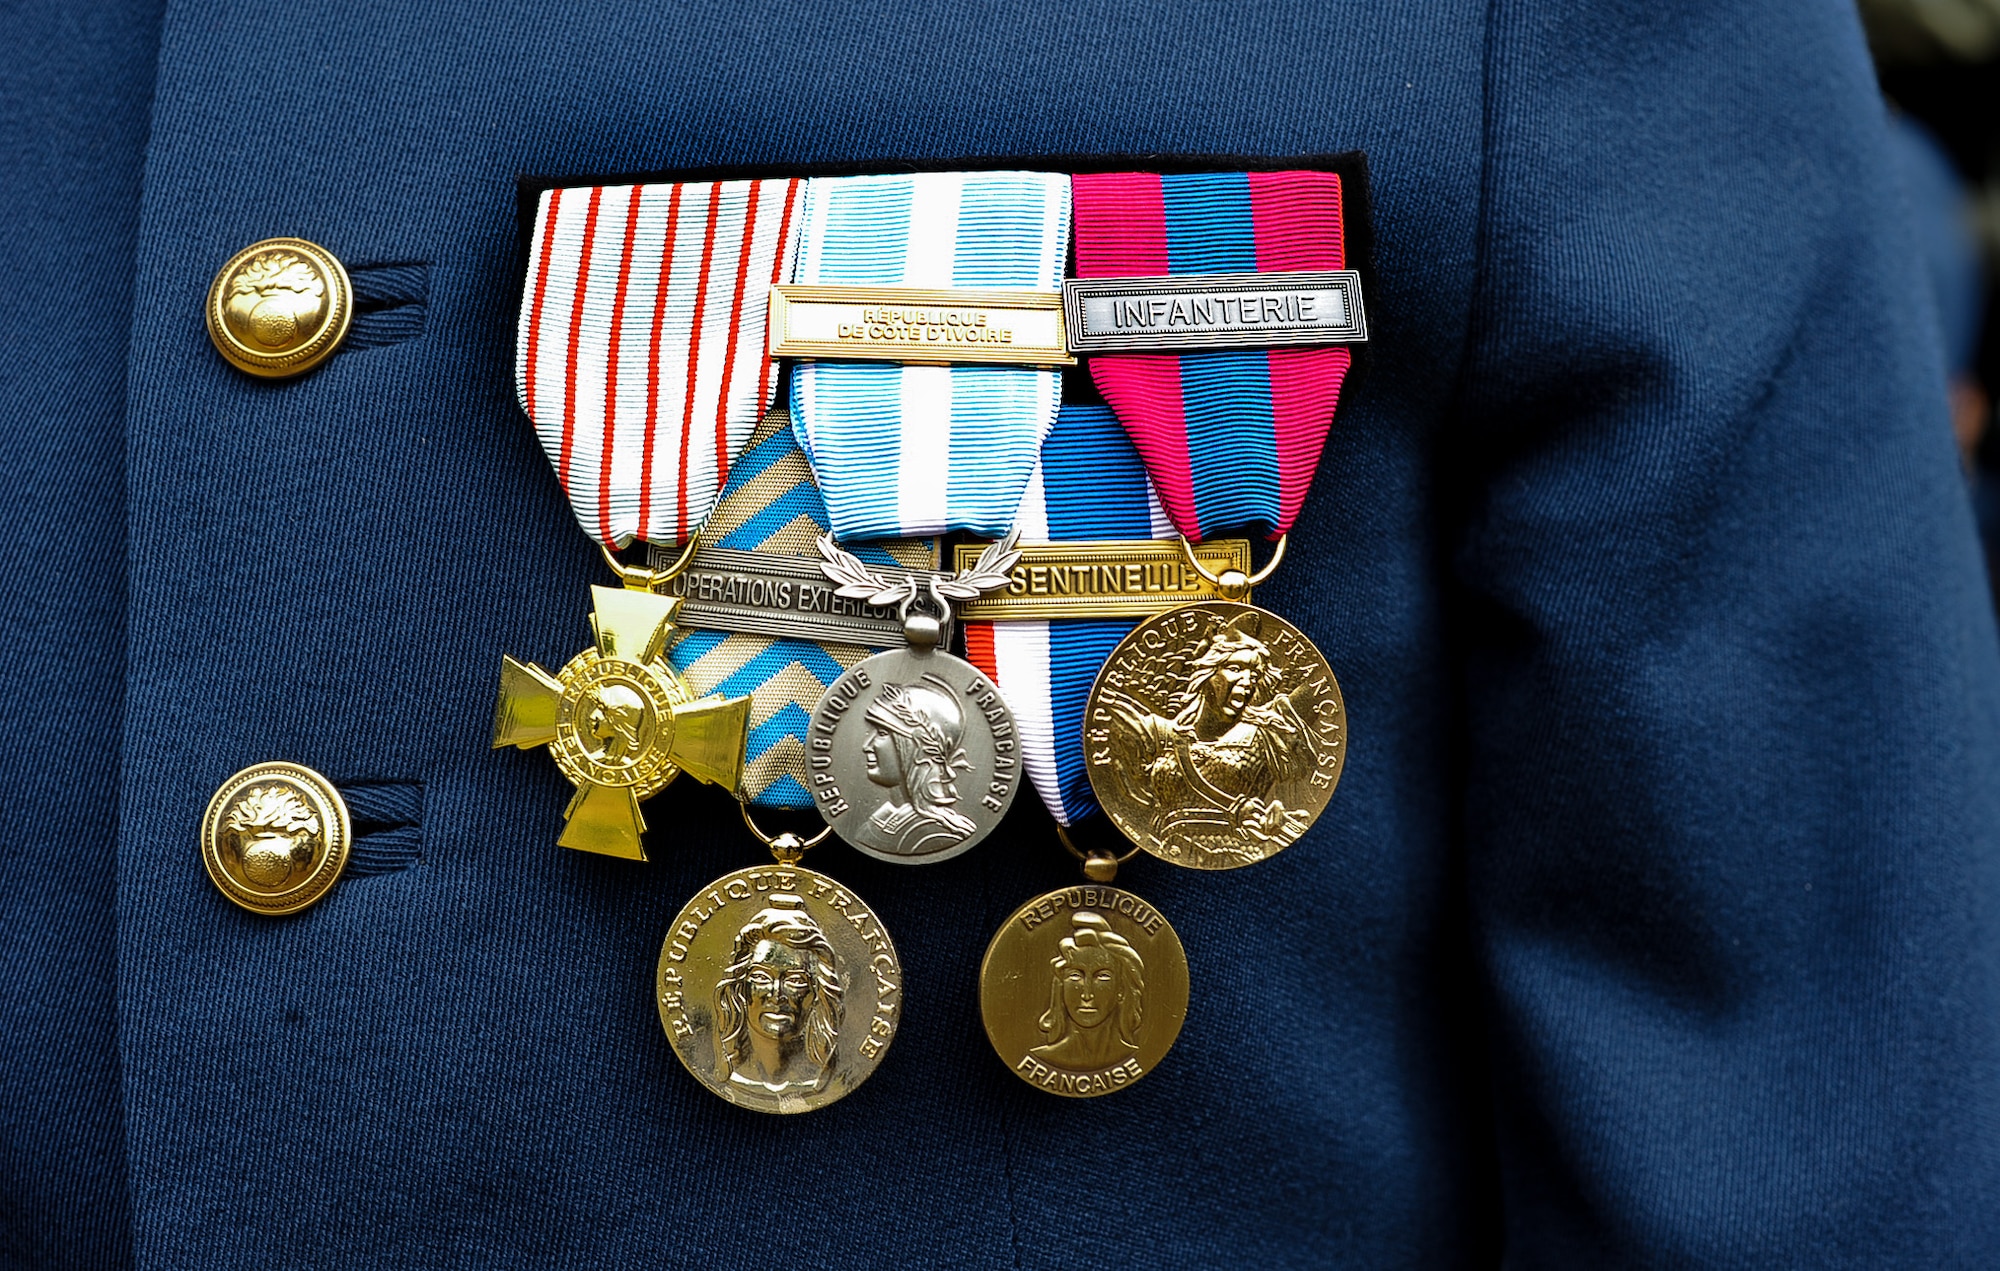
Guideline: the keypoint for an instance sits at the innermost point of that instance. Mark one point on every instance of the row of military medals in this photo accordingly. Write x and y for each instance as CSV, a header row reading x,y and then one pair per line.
x,y
1213,733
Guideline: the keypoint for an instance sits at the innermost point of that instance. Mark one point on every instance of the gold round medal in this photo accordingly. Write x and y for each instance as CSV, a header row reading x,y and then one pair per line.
x,y
1084,990
275,837
1214,735
779,989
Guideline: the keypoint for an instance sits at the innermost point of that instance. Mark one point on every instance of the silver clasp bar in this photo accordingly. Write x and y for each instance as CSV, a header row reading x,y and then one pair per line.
x,y
1194,312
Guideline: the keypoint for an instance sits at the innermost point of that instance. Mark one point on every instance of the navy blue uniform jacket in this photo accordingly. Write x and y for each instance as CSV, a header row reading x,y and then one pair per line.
x,y
1656,921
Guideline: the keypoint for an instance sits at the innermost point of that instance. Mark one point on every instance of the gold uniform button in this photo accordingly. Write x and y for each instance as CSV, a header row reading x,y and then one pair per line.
x,y
280,307
275,837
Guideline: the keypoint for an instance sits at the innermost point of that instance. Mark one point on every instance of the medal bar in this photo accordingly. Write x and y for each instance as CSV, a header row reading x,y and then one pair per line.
x,y
1102,578
919,326
1214,311
789,597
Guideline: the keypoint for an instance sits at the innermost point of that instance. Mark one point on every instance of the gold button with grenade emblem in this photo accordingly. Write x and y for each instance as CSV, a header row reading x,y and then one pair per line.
x,y
275,837
280,307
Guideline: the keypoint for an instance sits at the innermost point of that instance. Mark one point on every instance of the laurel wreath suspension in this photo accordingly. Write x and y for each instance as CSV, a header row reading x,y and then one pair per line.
x,y
858,582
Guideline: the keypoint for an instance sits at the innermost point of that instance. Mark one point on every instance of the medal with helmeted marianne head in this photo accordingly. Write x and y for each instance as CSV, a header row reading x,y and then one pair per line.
x,y
913,753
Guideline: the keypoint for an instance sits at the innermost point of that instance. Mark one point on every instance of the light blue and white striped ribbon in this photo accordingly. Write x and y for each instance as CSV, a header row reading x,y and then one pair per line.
x,y
906,451
1089,484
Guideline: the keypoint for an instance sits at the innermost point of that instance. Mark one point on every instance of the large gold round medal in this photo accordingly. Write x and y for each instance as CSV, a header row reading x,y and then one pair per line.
x,y
1214,735
779,989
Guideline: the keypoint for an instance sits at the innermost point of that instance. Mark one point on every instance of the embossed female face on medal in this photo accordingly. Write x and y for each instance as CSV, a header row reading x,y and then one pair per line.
x,y
912,752
1084,990
1215,733
778,988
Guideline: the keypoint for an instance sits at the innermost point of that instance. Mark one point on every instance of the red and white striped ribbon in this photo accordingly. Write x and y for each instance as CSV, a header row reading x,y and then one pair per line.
x,y
642,359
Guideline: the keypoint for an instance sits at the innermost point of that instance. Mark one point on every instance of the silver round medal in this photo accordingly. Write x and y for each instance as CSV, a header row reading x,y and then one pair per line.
x,y
913,755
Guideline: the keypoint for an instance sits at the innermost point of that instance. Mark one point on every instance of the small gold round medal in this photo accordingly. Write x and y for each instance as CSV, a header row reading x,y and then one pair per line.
x,y
1084,990
275,837
1214,735
779,989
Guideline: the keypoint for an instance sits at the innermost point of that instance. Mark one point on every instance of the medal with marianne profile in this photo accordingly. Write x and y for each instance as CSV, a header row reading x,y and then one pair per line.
x,y
618,718
619,722
913,756
913,752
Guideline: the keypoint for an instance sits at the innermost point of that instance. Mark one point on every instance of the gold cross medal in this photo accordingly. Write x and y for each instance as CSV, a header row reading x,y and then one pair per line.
x,y
643,364
619,721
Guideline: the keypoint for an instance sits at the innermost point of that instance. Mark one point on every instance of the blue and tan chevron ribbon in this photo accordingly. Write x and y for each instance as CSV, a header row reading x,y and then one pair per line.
x,y
771,505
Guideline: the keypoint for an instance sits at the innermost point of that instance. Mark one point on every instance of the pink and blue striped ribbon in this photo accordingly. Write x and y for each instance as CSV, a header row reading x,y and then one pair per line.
x,y
1231,438
1088,484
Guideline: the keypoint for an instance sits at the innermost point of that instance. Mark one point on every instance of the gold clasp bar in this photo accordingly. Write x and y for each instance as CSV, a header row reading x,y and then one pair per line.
x,y
1104,578
916,325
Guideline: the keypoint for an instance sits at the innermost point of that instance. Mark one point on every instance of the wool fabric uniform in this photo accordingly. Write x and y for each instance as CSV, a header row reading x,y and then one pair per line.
x,y
1231,437
1088,484
771,505
1655,923
903,451
642,358
76,92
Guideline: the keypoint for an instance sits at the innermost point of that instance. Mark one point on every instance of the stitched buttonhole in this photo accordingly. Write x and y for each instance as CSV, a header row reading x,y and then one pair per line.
x,y
389,303
388,819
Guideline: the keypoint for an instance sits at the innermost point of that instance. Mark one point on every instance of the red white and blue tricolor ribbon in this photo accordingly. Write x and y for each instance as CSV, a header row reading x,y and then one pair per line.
x,y
907,451
1089,484
1231,438
641,357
